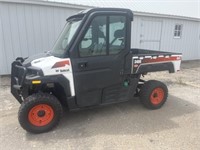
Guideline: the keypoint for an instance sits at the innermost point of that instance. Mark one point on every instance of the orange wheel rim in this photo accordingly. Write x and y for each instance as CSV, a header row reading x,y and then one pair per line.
x,y
41,115
157,96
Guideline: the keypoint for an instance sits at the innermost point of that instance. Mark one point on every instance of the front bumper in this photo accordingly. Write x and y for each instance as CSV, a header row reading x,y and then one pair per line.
x,y
18,74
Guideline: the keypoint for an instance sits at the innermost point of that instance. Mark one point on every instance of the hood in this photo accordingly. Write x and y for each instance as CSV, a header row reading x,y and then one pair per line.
x,y
27,62
52,65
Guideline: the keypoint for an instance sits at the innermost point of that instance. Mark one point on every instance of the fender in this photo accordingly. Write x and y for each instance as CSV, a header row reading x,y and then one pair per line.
x,y
56,84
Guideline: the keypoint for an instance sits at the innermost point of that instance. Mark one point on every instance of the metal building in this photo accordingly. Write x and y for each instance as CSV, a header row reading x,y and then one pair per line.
x,y
30,27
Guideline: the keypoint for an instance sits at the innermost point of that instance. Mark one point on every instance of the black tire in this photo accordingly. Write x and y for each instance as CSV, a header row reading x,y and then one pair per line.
x,y
52,110
153,94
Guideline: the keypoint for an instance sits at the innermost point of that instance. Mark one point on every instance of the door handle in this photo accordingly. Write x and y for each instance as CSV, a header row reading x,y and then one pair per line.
x,y
82,65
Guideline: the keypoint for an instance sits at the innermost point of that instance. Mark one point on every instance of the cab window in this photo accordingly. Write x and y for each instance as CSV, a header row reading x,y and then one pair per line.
x,y
105,36
117,31
94,40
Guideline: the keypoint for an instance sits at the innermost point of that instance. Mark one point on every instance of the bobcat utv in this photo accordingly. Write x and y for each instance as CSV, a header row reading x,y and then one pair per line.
x,y
91,64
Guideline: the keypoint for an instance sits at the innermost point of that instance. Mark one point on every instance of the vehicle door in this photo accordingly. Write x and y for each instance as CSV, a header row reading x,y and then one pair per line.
x,y
98,69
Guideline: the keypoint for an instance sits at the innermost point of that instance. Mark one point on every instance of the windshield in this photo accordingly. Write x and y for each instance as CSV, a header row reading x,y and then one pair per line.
x,y
61,45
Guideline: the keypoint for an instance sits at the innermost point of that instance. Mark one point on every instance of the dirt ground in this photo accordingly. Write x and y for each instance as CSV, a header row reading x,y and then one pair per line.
x,y
121,126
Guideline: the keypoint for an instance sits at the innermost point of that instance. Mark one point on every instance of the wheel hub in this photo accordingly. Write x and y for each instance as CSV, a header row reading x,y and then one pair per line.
x,y
41,115
157,96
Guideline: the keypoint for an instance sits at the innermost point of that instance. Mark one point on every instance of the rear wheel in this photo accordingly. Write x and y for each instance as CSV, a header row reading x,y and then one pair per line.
x,y
40,113
153,94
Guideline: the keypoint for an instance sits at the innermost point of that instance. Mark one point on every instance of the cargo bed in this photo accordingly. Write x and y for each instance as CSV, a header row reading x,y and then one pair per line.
x,y
144,61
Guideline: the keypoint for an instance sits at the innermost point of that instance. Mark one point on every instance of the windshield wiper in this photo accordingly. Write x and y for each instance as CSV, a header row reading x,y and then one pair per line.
x,y
48,53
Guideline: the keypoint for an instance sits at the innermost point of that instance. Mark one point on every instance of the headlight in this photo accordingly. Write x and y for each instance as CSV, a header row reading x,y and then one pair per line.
x,y
34,71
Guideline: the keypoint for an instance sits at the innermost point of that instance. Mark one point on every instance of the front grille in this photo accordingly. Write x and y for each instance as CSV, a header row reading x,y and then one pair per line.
x,y
18,73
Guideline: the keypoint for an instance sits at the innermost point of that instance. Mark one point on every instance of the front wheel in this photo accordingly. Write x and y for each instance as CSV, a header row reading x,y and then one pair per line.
x,y
40,113
153,94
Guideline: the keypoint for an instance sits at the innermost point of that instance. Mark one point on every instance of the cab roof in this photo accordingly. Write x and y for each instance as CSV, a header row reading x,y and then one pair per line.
x,y
89,11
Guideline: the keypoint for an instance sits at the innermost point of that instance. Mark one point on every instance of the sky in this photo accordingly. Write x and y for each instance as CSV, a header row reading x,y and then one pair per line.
x,y
188,8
